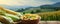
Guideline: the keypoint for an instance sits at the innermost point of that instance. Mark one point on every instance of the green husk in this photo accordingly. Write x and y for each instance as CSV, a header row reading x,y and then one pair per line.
x,y
10,21
14,17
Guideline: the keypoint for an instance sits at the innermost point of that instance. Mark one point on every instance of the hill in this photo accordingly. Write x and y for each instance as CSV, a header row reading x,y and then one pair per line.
x,y
14,8
51,6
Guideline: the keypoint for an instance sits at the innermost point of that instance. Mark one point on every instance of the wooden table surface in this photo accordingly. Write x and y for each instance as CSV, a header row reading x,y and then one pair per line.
x,y
48,22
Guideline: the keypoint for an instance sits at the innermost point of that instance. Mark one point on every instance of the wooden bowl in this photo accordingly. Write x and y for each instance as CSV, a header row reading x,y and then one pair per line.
x,y
28,21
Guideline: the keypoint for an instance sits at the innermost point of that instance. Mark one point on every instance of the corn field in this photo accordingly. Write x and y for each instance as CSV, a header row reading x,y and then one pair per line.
x,y
50,16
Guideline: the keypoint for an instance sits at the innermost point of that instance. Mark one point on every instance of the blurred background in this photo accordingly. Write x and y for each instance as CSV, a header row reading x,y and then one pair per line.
x,y
49,10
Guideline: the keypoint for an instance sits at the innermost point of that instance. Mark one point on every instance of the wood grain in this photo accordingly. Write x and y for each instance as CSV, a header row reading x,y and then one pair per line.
x,y
49,22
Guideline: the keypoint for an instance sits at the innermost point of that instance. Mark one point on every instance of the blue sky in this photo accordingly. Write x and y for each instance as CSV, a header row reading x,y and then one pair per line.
x,y
27,2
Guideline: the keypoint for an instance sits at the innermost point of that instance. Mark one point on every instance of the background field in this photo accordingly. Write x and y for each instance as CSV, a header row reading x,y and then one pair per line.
x,y
48,12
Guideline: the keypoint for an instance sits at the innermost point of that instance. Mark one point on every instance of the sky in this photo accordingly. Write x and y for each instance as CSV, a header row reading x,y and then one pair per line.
x,y
27,2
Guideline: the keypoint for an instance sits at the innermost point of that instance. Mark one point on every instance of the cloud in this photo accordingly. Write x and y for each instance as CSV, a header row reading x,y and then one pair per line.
x,y
34,2
9,2
25,2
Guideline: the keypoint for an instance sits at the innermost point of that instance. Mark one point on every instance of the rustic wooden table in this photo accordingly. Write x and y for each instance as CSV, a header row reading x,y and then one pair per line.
x,y
47,22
